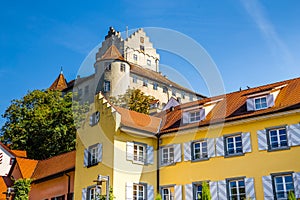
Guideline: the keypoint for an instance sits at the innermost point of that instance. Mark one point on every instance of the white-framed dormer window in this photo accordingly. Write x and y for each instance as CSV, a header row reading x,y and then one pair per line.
x,y
260,102
194,116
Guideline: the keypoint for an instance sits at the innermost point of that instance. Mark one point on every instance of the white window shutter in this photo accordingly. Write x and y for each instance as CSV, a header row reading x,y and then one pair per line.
x,y
268,187
222,190
202,114
129,191
262,140
99,152
150,192
246,140
211,147
177,153
270,100
188,192
86,158
92,119
293,132
250,104
178,192
250,191
150,155
296,179
98,192
84,194
185,117
129,151
220,146
213,187
187,151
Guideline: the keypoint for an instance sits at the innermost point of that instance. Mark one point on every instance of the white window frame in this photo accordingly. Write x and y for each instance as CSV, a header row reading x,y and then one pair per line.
x,y
137,189
166,193
284,183
169,151
194,118
155,86
122,67
138,156
135,57
260,103
234,137
277,131
91,193
107,66
196,191
93,155
106,86
238,196
202,153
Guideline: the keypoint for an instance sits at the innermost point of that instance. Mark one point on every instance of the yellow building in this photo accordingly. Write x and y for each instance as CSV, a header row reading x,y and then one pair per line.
x,y
245,144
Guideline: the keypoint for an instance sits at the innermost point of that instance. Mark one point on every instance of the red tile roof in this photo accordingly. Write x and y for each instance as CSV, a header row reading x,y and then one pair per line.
x,y
26,166
112,53
54,165
20,153
233,106
3,188
60,83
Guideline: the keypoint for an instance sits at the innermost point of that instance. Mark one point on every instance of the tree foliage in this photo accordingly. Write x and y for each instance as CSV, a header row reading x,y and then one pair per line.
x,y
133,99
22,189
205,191
291,196
158,197
111,195
41,123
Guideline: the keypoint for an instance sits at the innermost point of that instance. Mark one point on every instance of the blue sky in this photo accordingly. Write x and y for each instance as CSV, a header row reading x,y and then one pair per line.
x,y
251,42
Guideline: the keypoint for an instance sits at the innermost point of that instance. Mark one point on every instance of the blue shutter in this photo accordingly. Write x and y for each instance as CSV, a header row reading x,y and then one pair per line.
x,y
150,192
211,147
250,104
213,187
220,146
187,151
296,177
188,192
84,194
250,191
177,153
294,134
270,100
185,117
99,159
268,188
246,142
129,191
98,192
202,114
150,155
262,140
129,150
178,192
86,158
222,190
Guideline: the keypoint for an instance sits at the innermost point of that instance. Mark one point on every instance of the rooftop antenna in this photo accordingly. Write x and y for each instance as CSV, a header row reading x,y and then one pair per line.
x,y
126,31
61,70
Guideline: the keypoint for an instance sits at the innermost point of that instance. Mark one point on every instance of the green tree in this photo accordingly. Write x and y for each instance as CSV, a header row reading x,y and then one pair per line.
x,y
42,123
22,189
205,191
133,99
111,195
158,197
291,196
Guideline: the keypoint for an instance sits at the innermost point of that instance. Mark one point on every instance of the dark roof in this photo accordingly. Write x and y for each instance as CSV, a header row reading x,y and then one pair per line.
x,y
232,106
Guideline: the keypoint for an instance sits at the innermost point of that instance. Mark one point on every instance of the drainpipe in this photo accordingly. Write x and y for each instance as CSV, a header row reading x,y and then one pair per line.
x,y
158,159
69,185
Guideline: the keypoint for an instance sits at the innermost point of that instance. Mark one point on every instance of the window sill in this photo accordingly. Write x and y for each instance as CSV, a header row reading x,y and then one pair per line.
x,y
167,164
234,155
138,162
199,159
278,149
91,165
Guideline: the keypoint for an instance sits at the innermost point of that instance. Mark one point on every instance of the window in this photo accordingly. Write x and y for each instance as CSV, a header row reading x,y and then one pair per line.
x,y
233,145
260,103
155,85
122,67
149,62
106,86
173,92
134,79
138,192
145,82
199,150
165,89
197,191
139,153
236,189
167,193
107,66
92,193
142,47
167,155
283,185
93,155
183,95
135,57
191,97
194,116
277,138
